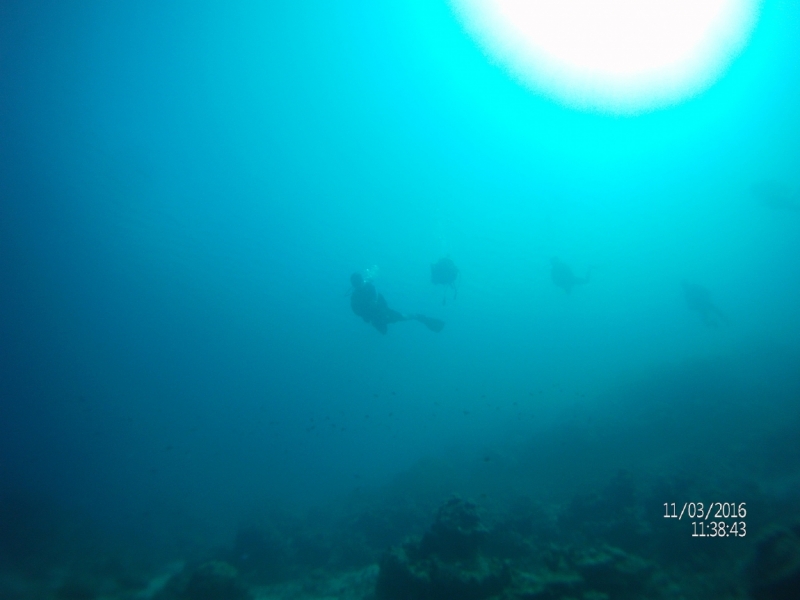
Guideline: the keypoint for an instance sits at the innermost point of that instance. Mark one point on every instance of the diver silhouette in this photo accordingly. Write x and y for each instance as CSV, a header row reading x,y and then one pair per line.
x,y
562,275
445,272
371,306
698,299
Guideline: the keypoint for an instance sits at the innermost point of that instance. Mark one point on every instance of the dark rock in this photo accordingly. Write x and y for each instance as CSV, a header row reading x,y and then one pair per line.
x,y
76,590
457,534
214,580
402,577
262,556
446,563
620,575
547,585
613,516
774,572
460,558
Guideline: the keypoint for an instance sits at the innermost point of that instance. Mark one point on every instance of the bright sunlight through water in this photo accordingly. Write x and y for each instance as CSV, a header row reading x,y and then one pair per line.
x,y
619,56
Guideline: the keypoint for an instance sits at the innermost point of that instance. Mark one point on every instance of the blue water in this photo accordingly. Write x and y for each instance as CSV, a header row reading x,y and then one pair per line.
x,y
185,189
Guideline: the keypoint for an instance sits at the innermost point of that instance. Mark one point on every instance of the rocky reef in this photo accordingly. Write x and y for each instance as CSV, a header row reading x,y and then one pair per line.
x,y
612,542
774,571
461,557
448,562
212,580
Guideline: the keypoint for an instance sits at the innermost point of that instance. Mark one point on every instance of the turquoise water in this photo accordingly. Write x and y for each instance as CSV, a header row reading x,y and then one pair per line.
x,y
185,190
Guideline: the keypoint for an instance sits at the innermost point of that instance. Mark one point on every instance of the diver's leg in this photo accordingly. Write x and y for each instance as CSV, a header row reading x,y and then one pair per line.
x,y
721,316
392,316
708,318
429,322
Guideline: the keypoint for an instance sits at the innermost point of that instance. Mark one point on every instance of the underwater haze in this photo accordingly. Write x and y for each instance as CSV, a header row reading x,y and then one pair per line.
x,y
186,189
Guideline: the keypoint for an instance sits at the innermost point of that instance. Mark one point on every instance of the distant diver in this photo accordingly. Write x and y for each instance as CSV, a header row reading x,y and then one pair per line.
x,y
445,272
371,306
562,275
776,196
698,299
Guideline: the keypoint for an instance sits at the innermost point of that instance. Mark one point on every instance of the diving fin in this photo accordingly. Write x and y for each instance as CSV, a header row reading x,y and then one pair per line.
x,y
433,324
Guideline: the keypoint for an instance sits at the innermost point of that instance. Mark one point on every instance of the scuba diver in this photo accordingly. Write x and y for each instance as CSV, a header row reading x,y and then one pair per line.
x,y
699,298
562,275
445,272
371,306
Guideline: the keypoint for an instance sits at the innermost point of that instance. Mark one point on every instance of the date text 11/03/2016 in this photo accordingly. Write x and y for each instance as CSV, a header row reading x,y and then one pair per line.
x,y
709,523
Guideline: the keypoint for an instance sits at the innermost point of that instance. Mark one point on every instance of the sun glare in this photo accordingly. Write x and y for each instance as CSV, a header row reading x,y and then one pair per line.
x,y
622,56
